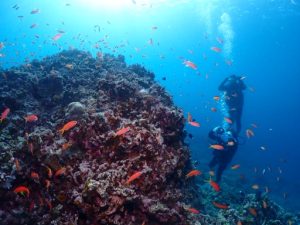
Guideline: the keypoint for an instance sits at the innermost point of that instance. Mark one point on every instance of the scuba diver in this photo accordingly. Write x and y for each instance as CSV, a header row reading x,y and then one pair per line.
x,y
222,157
232,101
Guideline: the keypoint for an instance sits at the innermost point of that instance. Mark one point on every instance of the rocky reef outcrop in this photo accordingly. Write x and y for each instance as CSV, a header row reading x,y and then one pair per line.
x,y
80,176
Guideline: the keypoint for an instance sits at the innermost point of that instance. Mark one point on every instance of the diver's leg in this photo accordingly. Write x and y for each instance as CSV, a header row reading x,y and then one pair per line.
x,y
213,162
220,171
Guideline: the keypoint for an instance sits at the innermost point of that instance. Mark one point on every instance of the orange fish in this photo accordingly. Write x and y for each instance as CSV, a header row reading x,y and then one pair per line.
x,y
34,176
217,147
57,36
4,114
213,109
193,173
255,186
67,145
47,184
17,163
249,133
31,118
193,210
133,177
33,25
60,172
267,189
22,189
68,126
216,98
30,147
214,185
228,120
236,166
254,125
69,66
220,40
239,223
190,64
189,118
220,206
49,172
253,212
35,11
265,205
216,49
229,62
122,131
194,124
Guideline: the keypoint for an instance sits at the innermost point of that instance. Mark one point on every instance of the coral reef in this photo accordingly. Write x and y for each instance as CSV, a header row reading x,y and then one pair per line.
x,y
103,96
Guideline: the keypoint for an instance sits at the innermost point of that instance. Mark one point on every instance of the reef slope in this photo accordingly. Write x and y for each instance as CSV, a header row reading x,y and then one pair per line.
x,y
103,95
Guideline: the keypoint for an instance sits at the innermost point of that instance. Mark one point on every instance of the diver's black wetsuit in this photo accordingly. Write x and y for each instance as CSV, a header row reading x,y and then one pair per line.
x,y
222,158
233,87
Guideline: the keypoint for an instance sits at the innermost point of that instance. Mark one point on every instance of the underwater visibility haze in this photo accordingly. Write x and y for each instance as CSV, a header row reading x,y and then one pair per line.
x,y
108,110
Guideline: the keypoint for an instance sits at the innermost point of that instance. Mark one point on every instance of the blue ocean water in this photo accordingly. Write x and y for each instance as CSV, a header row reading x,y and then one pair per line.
x,y
260,38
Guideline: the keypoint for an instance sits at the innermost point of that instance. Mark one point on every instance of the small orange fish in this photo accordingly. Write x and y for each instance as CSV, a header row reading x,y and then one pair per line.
x,y
239,223
67,145
214,185
193,173
133,177
194,124
69,66
193,210
213,109
255,186
34,175
22,189
49,172
249,133
229,62
217,147
4,114
190,64
230,143
47,184
68,126
220,206
57,36
17,164
265,205
31,118
122,131
228,120
220,40
236,166
267,190
216,98
189,118
33,25
35,11
60,172
216,49
253,212
254,125
30,147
